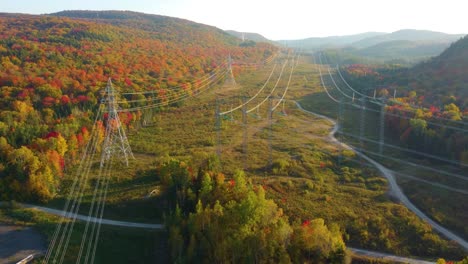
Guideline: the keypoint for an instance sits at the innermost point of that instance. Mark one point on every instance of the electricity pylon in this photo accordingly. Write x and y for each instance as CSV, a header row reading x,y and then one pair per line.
x,y
115,141
230,80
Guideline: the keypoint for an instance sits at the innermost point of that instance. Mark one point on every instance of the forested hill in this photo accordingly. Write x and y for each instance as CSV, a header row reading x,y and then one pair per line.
x,y
436,82
430,93
445,75
52,69
161,27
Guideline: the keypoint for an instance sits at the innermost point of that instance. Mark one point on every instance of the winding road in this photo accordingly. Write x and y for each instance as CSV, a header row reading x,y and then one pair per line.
x,y
395,190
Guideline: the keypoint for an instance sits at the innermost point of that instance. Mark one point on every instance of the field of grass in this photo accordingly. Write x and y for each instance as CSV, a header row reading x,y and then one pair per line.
x,y
290,155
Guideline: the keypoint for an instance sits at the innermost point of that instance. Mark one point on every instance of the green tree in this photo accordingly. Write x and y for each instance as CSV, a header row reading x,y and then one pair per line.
x,y
453,112
234,222
418,125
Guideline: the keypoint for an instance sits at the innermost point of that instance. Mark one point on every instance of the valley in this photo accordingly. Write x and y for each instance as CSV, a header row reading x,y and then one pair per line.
x,y
233,158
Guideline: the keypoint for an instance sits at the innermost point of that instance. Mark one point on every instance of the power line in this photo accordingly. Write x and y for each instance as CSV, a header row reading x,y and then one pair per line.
x,y
272,90
388,114
253,97
373,100
462,177
77,182
453,162
285,90
201,82
172,101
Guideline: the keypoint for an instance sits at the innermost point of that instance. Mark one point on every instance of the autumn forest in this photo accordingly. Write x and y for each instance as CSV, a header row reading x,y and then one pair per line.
x,y
243,149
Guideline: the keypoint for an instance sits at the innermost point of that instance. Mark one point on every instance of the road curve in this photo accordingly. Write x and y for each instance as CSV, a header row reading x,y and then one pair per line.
x,y
395,190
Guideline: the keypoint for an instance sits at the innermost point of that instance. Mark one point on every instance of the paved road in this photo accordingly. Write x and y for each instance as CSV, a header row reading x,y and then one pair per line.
x,y
17,242
395,190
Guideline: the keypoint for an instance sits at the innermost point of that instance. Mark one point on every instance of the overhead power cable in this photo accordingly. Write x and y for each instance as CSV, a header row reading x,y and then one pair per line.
x,y
387,113
271,92
253,97
379,101
285,90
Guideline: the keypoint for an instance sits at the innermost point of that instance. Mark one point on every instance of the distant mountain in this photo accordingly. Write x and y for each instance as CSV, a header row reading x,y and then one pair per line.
x,y
406,46
438,81
249,36
327,42
421,36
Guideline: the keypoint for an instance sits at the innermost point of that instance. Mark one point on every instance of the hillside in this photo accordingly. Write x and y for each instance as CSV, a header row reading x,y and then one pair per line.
x,y
159,26
52,71
433,92
444,76
438,81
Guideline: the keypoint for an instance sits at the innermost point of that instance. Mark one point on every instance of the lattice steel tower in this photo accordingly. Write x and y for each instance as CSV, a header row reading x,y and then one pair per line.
x,y
115,141
230,80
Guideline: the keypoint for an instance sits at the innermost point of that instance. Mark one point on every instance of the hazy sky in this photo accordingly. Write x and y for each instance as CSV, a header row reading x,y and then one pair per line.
x,y
288,19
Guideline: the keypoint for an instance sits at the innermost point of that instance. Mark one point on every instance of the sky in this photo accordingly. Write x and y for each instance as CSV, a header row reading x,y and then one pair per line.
x,y
287,19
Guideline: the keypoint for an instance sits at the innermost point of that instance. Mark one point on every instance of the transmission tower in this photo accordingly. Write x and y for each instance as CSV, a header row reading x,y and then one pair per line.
x,y
245,136
115,141
230,80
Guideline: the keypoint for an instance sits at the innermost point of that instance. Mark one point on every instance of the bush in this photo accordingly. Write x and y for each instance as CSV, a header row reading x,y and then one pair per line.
x,y
279,166
309,185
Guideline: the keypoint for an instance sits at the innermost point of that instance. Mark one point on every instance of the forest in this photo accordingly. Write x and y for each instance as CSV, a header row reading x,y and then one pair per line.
x,y
53,70
306,207
430,103
216,220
